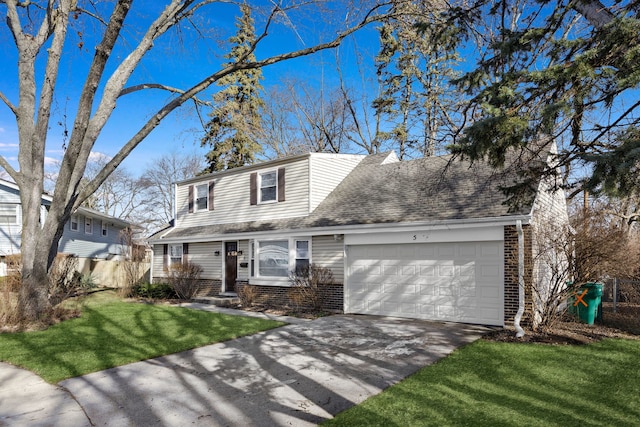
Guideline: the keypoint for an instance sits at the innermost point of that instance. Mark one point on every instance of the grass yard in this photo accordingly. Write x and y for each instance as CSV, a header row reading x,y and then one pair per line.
x,y
509,384
111,333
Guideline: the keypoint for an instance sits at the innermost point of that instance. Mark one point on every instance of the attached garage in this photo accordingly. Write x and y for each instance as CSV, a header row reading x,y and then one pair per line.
x,y
448,281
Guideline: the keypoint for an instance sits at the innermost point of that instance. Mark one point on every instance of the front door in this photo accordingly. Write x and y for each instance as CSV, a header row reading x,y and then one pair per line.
x,y
231,266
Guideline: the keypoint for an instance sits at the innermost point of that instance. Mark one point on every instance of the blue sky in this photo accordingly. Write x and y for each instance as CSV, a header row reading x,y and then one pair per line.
x,y
178,60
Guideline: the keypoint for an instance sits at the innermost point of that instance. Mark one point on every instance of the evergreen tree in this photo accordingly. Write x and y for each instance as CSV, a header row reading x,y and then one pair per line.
x,y
235,122
567,71
415,65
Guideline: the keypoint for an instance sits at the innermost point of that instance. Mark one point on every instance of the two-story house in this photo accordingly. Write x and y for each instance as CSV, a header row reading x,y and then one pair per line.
x,y
89,235
429,238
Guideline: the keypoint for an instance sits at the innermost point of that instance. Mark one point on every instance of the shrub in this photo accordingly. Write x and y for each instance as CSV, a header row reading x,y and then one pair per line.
x,y
306,289
154,291
14,272
247,295
133,265
185,279
8,305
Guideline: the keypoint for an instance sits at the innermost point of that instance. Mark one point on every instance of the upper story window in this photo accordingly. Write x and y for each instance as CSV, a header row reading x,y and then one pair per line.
x,y
8,214
104,228
268,186
202,197
73,223
88,225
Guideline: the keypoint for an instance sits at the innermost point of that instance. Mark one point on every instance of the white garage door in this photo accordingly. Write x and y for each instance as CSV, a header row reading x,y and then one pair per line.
x,y
459,282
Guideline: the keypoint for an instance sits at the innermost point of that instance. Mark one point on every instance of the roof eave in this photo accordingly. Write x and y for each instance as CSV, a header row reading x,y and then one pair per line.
x,y
351,229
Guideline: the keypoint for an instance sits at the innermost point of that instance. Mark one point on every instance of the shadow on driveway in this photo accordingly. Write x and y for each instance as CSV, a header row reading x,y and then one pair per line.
x,y
297,375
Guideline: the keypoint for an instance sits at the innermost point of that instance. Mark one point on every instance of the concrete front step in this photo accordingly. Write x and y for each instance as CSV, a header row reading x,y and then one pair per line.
x,y
219,301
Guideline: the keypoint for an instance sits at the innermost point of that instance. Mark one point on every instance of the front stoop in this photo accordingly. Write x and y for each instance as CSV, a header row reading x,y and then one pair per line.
x,y
219,301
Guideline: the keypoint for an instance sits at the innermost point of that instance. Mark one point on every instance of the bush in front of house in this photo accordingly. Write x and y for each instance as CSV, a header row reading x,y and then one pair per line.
x,y
306,286
185,279
153,291
248,295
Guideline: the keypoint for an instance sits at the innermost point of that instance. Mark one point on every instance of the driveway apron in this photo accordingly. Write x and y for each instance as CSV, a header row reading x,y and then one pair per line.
x,y
298,374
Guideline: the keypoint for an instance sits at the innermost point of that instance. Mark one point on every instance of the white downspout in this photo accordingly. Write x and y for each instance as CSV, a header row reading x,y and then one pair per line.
x,y
516,320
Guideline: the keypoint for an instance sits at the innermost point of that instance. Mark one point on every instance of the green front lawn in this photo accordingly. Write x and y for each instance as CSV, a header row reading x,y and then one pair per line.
x,y
112,333
507,384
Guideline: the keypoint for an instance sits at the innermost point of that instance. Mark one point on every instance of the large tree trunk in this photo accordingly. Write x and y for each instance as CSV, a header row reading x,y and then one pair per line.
x,y
40,241
33,298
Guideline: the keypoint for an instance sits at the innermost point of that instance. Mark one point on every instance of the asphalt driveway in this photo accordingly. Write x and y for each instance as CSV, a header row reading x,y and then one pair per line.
x,y
300,374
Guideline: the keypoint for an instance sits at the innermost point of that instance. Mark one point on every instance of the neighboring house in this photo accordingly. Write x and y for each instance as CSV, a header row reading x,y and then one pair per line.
x,y
428,239
89,235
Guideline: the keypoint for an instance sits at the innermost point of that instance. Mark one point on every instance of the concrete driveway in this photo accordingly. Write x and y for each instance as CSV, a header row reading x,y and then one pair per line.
x,y
300,374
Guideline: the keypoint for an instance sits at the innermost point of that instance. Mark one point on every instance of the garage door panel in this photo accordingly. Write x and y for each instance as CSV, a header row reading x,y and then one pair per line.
x,y
427,270
438,281
427,311
446,250
467,250
427,289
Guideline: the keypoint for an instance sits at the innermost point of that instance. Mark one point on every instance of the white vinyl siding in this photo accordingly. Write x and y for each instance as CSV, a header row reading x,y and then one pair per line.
x,y
203,254
158,261
329,252
243,272
326,172
232,197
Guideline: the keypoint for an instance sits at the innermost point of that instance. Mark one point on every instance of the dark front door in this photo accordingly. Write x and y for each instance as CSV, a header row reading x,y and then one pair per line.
x,y
231,266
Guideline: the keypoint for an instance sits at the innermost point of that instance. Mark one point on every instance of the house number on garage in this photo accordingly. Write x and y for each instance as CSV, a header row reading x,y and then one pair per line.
x,y
420,237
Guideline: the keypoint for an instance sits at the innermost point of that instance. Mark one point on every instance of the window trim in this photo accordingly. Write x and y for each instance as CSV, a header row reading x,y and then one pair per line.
x,y
88,221
254,274
15,215
274,186
171,256
196,198
74,219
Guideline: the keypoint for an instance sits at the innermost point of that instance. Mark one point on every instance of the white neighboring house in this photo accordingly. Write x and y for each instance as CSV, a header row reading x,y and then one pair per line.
x,y
89,235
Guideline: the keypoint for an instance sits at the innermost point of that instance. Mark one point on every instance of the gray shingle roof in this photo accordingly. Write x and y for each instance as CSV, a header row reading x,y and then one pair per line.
x,y
422,190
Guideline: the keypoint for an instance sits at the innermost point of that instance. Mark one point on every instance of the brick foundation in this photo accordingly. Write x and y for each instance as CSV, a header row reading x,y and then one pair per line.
x,y
280,296
208,287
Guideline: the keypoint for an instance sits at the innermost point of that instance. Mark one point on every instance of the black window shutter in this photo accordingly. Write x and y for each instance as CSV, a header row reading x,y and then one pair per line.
x,y
191,199
185,253
253,189
211,186
281,185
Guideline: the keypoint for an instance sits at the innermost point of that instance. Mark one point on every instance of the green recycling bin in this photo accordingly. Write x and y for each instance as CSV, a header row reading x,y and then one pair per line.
x,y
586,302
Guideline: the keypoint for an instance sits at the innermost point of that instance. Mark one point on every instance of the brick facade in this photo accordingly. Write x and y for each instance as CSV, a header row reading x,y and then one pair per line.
x,y
280,296
511,274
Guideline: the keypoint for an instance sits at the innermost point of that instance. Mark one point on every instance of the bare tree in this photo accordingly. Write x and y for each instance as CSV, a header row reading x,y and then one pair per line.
x,y
39,30
301,118
121,195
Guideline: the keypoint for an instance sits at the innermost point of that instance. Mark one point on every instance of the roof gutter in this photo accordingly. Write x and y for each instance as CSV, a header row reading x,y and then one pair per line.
x,y
348,229
518,318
